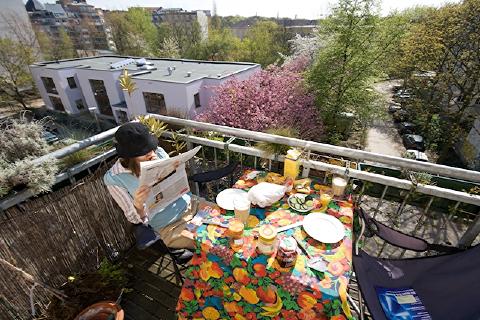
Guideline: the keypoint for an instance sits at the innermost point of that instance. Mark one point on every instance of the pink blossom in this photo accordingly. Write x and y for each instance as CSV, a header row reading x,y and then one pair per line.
x,y
271,98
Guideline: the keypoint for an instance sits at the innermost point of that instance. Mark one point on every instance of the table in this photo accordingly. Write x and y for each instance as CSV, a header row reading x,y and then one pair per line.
x,y
223,284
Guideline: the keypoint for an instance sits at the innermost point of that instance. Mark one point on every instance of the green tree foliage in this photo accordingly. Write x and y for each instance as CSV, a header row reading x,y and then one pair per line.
x,y
447,43
263,43
45,44
133,32
230,21
165,31
56,49
216,22
344,69
63,47
169,49
404,57
188,38
221,45
14,73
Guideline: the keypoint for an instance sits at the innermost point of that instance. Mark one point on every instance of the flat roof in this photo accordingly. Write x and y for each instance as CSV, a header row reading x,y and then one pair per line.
x,y
198,69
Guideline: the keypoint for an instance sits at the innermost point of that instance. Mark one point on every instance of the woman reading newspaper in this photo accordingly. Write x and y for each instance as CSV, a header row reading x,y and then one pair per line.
x,y
135,144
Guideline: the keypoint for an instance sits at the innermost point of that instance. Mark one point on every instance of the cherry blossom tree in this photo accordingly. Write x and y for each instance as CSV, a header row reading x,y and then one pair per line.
x,y
271,98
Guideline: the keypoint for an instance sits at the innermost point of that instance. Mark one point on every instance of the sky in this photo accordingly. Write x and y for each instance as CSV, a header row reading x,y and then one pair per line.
x,y
308,9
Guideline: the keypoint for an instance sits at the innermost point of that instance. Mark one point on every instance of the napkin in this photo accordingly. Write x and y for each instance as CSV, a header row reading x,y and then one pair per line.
x,y
265,194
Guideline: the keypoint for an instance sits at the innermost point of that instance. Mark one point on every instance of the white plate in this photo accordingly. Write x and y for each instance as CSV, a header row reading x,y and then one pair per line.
x,y
323,227
225,198
301,196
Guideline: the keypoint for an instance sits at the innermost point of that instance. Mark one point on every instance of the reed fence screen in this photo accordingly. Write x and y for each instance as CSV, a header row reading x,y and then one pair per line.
x,y
59,234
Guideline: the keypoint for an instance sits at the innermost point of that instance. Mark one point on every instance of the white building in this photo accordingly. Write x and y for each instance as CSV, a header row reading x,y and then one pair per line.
x,y
13,11
164,86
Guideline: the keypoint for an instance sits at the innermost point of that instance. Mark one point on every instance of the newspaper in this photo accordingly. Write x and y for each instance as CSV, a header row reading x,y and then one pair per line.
x,y
167,179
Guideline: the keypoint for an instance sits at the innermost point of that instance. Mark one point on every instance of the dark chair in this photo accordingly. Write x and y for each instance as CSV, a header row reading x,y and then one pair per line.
x,y
447,284
145,238
214,175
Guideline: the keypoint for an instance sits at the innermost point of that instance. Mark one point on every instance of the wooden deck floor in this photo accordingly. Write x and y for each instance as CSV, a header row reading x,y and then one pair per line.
x,y
154,292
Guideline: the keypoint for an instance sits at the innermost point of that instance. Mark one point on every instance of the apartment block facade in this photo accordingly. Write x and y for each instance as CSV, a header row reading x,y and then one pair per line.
x,y
179,18
83,22
164,86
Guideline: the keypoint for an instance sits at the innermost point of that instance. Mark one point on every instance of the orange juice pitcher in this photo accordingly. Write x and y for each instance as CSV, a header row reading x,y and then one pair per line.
x,y
291,166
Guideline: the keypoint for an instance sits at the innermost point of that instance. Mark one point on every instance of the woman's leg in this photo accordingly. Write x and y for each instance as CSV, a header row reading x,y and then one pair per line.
x,y
175,235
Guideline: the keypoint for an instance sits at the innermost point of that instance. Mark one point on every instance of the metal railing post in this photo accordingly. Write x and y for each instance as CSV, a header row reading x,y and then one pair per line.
x,y
471,234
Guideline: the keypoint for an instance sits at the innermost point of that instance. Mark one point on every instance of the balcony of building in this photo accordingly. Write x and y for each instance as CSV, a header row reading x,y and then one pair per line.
x,y
69,230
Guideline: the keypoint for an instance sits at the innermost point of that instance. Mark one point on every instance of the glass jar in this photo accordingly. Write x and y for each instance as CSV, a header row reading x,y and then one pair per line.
x,y
241,207
267,236
287,252
235,232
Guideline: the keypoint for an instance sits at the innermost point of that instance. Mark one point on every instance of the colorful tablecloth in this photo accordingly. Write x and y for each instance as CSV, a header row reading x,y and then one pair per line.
x,y
224,284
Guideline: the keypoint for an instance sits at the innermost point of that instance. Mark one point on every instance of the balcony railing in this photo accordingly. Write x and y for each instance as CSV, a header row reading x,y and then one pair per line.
x,y
241,144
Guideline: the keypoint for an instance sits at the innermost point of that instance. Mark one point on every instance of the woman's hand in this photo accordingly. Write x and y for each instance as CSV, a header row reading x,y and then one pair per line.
x,y
140,197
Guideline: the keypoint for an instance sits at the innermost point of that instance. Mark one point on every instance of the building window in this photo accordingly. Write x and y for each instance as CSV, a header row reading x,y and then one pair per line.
x,y
57,103
79,104
101,97
71,82
155,103
197,100
49,85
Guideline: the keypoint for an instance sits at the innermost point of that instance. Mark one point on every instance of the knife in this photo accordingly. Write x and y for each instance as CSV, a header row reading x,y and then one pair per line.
x,y
302,247
290,226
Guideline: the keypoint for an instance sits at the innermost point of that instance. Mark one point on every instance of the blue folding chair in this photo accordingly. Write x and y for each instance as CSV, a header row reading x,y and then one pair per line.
x,y
147,238
447,285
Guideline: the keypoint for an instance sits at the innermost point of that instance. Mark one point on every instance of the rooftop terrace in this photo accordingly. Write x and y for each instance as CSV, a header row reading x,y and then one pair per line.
x,y
158,68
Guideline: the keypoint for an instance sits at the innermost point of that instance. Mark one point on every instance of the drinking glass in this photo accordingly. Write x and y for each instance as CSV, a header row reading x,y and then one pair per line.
x,y
325,199
338,186
241,207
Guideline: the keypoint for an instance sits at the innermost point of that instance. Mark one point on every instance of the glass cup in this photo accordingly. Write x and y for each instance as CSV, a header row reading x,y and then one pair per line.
x,y
241,207
325,199
338,186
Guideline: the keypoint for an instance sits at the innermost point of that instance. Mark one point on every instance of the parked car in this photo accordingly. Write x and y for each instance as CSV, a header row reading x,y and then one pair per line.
x,y
394,107
400,116
402,95
402,98
407,127
413,141
400,92
417,155
396,88
49,137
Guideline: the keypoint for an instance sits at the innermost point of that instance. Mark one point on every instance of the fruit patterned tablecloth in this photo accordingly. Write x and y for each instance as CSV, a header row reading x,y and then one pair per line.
x,y
224,284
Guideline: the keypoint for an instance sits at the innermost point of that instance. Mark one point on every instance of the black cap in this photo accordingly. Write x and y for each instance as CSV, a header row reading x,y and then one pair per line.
x,y
133,139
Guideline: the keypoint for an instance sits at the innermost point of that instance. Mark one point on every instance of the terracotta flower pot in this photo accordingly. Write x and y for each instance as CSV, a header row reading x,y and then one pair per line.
x,y
104,310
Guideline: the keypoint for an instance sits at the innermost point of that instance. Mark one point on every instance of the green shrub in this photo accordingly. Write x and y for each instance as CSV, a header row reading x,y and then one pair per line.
x,y
155,126
77,157
276,148
20,143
